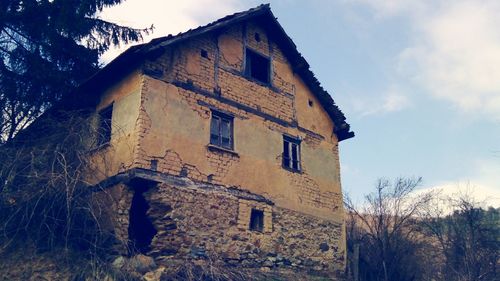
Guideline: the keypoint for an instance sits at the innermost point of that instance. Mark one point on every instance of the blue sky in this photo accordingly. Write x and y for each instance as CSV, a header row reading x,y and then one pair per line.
x,y
418,80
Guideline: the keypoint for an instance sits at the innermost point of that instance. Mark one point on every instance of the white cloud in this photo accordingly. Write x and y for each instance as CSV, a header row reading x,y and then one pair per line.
x,y
395,102
392,101
168,17
389,8
483,185
448,195
454,51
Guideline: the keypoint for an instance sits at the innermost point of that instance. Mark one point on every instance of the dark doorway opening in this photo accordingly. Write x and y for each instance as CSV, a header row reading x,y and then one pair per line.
x,y
140,230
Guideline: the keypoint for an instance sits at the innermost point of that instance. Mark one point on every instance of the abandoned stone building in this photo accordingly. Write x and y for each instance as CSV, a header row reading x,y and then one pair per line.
x,y
220,143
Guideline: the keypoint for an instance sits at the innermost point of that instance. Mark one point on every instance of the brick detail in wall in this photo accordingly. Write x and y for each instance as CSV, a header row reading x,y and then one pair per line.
x,y
263,45
309,191
312,140
278,54
235,35
256,96
190,67
143,125
221,162
311,195
214,73
170,163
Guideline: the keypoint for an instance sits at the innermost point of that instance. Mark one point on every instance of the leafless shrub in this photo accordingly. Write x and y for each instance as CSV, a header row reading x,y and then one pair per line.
x,y
45,200
467,238
385,229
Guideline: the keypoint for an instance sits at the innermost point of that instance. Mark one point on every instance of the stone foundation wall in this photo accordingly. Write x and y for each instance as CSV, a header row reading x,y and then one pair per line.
x,y
208,222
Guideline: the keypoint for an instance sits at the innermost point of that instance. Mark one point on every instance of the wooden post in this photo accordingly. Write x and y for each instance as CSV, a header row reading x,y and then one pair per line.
x,y
355,263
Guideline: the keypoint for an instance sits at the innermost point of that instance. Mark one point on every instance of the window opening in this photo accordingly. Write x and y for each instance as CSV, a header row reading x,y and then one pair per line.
x,y
104,130
204,53
257,66
291,153
257,37
221,130
256,220
311,103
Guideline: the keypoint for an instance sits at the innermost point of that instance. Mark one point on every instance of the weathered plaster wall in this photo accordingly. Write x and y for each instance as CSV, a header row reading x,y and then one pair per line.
x,y
178,137
125,96
178,101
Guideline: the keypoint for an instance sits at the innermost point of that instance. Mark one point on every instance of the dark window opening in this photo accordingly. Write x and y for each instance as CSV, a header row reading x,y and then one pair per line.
x,y
256,220
311,103
104,130
257,37
291,153
257,66
140,230
204,53
221,130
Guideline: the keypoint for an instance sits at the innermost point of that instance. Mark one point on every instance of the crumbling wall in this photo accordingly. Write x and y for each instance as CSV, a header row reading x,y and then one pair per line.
x,y
174,139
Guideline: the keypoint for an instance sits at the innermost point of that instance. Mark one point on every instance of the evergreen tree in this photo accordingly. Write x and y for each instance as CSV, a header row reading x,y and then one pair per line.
x,y
48,47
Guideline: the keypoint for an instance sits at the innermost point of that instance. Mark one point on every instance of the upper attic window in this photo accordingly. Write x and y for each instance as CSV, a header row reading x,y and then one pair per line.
x,y
257,66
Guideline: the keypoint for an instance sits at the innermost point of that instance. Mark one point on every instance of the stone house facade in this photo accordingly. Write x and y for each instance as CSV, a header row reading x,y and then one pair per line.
x,y
219,143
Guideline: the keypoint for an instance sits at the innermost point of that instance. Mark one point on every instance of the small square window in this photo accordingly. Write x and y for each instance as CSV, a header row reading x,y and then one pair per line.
x,y
256,220
257,66
221,130
104,129
204,53
257,37
291,153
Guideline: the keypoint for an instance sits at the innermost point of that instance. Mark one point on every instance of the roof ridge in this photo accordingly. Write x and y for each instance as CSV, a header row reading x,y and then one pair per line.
x,y
262,8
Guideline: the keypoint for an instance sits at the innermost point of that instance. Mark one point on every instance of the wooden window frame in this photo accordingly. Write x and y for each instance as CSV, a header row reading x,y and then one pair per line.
x,y
219,118
291,154
256,220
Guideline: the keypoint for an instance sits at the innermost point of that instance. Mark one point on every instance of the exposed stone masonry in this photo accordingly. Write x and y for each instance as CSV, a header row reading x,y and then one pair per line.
x,y
196,223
